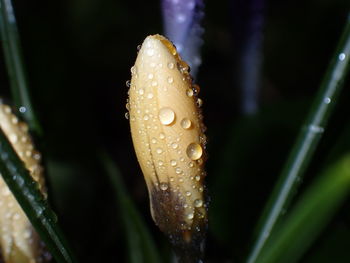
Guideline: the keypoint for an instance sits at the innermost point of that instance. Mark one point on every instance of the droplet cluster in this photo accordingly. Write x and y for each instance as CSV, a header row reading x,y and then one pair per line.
x,y
16,231
167,128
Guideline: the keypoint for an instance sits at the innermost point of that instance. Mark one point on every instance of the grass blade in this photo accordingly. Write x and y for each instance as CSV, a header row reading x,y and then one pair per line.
x,y
35,206
140,243
15,66
306,142
310,215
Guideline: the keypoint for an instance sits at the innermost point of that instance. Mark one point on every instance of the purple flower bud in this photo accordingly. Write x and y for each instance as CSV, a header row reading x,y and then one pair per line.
x,y
182,26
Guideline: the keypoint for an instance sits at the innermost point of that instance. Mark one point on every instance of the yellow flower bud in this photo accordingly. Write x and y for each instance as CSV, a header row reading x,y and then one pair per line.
x,y
168,136
19,242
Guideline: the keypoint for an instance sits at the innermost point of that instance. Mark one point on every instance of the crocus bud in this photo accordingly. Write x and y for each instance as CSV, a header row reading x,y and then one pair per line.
x,y
18,240
168,136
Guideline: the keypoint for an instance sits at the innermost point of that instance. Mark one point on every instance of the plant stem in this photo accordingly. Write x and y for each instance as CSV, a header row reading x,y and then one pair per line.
x,y
306,142
15,66
29,197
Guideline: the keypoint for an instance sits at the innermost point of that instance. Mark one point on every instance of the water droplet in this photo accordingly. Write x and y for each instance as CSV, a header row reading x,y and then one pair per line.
x,y
173,163
146,117
166,116
154,140
14,120
342,56
138,47
163,186
190,216
196,89
154,83
327,100
194,151
128,83
178,170
186,123
171,65
150,76
13,138
150,52
174,145
159,150
198,203
190,164
162,136
199,102
127,115
188,193
198,178
150,95
22,109
133,70
189,92
141,91
170,80
316,129
160,163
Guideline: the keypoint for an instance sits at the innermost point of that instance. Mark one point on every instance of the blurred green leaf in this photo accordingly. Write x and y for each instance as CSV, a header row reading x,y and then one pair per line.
x,y
309,216
15,66
306,142
140,243
35,206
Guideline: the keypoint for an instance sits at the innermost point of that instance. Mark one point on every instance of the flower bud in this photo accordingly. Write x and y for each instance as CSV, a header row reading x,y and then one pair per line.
x,y
18,240
168,136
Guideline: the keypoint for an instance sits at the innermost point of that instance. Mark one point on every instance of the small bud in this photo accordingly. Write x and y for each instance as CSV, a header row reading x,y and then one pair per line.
x,y
18,240
167,132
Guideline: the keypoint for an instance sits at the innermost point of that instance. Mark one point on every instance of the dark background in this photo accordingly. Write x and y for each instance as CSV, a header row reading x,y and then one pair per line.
x,y
78,55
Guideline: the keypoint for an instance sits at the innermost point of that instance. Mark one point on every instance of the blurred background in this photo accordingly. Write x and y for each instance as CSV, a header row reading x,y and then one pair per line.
x,y
78,55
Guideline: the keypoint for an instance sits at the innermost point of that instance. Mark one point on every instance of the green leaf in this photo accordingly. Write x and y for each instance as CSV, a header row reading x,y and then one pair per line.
x,y
15,66
35,206
309,216
140,243
306,142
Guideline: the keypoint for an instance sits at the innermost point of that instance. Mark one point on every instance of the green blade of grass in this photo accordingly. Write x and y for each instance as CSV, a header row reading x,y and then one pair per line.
x,y
35,206
306,142
140,243
15,66
311,214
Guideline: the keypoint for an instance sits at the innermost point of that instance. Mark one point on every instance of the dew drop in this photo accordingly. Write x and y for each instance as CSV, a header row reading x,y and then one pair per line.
x,y
128,83
13,138
162,136
170,80
154,83
159,150
154,140
146,117
163,186
150,95
198,203
173,162
150,52
178,170
190,216
174,145
171,65
189,92
196,89
199,102
160,163
191,164
188,193
194,151
133,70
341,56
127,115
186,123
22,109
141,91
198,178
150,76
166,116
